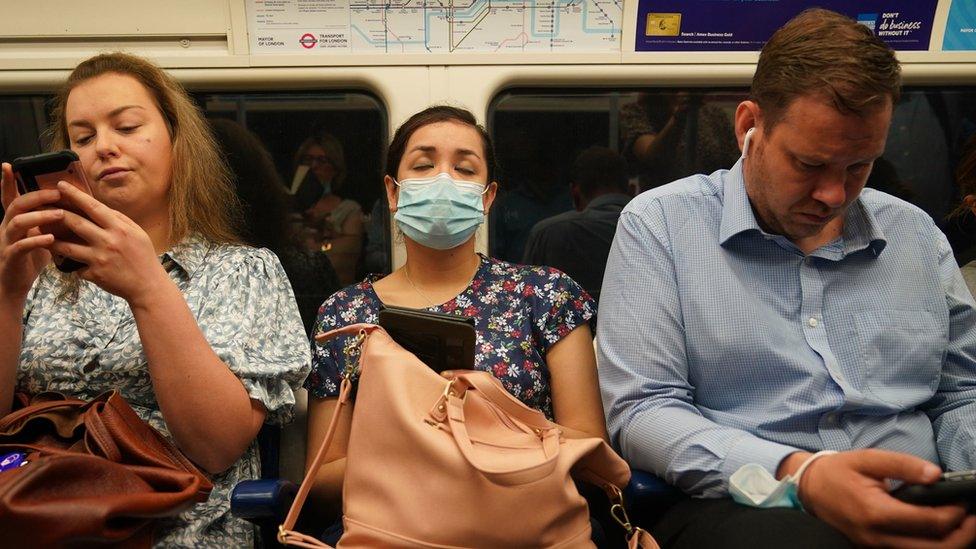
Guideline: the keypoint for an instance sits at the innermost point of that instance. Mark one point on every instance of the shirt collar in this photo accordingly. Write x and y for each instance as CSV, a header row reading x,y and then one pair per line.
x,y
737,214
861,229
619,199
188,254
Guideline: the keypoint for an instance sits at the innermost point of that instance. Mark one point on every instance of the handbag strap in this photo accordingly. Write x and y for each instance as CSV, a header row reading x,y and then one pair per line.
x,y
637,537
482,381
351,329
14,417
641,538
287,536
549,440
491,388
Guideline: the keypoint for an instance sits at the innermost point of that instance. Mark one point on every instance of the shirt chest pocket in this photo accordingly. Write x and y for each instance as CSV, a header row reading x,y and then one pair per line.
x,y
902,354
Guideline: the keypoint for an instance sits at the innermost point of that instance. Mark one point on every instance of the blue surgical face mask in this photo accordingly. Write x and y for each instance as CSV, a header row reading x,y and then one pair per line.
x,y
752,485
439,212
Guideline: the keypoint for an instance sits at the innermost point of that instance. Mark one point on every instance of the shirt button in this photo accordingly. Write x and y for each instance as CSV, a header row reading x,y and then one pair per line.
x,y
830,419
812,322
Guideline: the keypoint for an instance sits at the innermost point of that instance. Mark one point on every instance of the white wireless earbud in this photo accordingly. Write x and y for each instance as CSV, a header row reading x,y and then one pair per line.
x,y
745,141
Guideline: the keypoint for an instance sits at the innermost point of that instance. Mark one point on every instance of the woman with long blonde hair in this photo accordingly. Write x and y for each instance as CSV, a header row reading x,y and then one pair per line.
x,y
334,224
199,333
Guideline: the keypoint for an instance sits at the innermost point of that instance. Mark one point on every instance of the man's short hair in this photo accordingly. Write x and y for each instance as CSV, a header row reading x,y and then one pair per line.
x,y
598,169
823,52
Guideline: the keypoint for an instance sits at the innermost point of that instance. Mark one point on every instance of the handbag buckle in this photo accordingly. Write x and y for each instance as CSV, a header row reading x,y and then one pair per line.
x,y
448,390
617,510
351,365
451,391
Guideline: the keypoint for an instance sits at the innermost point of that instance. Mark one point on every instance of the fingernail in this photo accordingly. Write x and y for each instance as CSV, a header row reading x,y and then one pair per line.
x,y
59,213
931,470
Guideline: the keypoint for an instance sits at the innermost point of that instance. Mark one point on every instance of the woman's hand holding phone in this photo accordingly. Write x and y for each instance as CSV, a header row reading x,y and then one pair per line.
x,y
23,247
118,254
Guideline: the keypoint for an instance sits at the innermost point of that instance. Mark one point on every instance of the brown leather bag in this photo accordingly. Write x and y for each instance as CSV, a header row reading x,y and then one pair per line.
x,y
95,473
434,462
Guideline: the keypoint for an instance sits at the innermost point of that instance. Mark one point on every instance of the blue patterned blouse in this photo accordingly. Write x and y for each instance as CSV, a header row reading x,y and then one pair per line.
x,y
245,308
520,311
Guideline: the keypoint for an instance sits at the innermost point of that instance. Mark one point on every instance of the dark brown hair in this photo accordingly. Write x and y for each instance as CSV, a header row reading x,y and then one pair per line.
x,y
599,169
823,52
433,115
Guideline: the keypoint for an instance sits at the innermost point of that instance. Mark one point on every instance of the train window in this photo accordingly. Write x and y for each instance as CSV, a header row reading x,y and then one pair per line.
x,y
328,149
23,121
545,138
598,141
327,154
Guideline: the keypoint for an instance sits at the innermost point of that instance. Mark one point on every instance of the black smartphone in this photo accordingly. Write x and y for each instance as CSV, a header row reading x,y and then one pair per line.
x,y
43,171
956,487
441,341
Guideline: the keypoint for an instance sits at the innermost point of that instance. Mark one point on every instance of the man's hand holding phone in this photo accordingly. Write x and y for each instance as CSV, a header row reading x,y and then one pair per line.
x,y
849,491
23,247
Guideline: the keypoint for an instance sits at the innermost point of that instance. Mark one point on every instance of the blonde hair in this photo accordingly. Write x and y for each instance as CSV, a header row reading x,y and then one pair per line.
x,y
202,197
333,149
966,176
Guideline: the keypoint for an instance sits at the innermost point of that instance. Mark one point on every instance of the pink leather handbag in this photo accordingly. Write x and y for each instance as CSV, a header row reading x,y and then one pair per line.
x,y
434,462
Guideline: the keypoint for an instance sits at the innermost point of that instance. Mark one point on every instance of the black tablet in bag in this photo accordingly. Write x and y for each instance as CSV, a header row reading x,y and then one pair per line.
x,y
441,341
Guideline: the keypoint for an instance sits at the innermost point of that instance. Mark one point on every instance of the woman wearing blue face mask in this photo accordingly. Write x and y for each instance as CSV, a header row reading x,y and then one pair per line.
x,y
532,323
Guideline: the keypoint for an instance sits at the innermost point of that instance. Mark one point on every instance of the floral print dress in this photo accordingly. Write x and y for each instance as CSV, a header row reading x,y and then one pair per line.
x,y
520,311
245,308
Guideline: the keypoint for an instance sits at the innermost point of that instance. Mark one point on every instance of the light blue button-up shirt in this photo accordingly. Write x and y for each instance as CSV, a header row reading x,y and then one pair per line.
x,y
720,344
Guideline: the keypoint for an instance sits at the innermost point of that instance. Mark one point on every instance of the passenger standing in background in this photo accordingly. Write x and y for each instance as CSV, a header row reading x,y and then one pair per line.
x,y
578,242
197,332
333,224
532,193
675,134
531,322
778,334
377,250
265,218
966,183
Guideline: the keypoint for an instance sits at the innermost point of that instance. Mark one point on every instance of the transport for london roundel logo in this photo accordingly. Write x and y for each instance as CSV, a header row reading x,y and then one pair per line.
x,y
308,41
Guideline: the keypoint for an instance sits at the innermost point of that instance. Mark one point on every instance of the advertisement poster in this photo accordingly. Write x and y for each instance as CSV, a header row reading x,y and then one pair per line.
x,y
960,33
745,25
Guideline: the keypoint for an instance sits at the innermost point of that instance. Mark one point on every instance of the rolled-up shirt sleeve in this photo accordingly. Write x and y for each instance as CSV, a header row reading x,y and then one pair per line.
x,y
643,368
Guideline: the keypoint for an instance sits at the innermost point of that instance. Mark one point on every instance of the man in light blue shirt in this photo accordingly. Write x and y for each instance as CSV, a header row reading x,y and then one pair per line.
x,y
761,314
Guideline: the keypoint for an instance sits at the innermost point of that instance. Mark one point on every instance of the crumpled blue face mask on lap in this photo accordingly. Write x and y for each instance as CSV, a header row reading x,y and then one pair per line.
x,y
752,485
440,212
